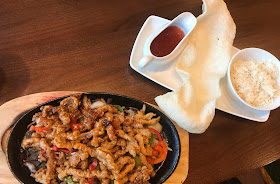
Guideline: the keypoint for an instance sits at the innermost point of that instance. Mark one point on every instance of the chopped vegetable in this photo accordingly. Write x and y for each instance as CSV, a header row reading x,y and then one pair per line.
x,y
155,152
38,129
162,152
155,131
69,180
90,180
97,104
41,129
98,166
93,165
64,150
55,148
91,160
74,125
43,118
67,155
119,108
158,148
32,128
137,161
43,152
157,127
112,181
151,139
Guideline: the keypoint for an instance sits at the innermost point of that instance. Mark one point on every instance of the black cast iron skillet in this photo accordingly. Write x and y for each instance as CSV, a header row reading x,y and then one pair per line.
x,y
163,171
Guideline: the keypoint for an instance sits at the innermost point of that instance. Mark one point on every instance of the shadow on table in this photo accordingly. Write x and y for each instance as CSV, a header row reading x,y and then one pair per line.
x,y
231,181
14,74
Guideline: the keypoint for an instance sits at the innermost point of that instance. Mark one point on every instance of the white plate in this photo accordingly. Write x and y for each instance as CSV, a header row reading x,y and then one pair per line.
x,y
168,77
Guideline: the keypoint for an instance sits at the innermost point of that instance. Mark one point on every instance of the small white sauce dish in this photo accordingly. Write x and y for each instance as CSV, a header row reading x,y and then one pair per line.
x,y
186,22
257,55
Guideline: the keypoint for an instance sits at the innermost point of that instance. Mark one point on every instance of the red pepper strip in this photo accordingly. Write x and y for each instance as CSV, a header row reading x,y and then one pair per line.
x,y
155,131
93,165
155,152
41,129
64,150
32,128
75,126
161,156
90,180
55,148
43,118
157,149
43,152
38,129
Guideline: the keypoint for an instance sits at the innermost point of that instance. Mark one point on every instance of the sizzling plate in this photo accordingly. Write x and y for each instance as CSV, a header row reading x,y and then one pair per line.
x,y
22,173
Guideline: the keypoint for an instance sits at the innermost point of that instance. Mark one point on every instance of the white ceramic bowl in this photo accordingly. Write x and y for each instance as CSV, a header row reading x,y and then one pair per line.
x,y
258,55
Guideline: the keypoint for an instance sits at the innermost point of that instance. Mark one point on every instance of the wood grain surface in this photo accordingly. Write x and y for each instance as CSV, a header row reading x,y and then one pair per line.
x,y
71,45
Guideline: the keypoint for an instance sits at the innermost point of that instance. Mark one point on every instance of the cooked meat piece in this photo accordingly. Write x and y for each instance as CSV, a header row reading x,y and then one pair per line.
x,y
132,145
145,147
71,103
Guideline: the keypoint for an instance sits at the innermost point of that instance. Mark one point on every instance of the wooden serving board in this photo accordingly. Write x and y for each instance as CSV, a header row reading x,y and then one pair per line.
x,y
11,110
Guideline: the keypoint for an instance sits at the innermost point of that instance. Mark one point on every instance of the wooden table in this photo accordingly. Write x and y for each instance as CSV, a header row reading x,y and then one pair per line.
x,y
73,45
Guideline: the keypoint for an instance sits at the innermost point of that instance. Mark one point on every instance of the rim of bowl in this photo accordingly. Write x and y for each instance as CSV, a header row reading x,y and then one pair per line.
x,y
232,89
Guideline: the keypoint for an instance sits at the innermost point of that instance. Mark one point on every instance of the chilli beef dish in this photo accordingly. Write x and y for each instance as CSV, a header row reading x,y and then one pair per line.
x,y
90,142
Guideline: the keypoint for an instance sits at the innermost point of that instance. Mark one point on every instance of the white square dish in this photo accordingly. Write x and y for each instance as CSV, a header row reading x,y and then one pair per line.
x,y
168,77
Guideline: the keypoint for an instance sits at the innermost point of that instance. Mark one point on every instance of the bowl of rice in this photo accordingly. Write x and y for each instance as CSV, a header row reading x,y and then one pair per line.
x,y
253,78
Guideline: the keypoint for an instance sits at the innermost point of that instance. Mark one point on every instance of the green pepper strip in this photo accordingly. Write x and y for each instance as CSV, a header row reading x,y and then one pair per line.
x,y
151,139
137,161
119,108
155,131
69,180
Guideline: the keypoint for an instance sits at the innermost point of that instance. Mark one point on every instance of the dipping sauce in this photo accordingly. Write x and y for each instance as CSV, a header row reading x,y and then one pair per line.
x,y
166,41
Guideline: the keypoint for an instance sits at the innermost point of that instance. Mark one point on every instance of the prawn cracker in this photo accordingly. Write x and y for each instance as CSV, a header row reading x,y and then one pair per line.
x,y
201,65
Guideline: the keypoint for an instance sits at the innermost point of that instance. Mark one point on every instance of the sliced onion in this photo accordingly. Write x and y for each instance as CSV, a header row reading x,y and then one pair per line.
x,y
97,104
30,166
157,127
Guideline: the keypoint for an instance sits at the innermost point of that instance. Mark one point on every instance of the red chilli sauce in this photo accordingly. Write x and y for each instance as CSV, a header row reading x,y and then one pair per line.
x,y
166,41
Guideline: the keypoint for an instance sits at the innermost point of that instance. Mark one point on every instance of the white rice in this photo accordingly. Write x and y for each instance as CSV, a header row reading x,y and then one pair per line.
x,y
255,81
